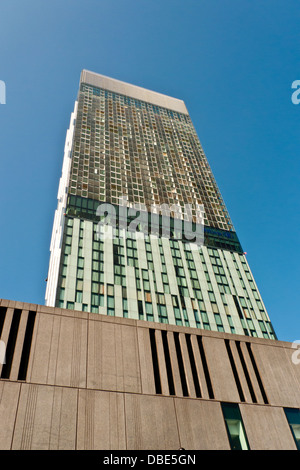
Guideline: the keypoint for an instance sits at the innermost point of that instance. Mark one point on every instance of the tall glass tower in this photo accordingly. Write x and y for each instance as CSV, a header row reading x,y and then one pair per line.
x,y
141,229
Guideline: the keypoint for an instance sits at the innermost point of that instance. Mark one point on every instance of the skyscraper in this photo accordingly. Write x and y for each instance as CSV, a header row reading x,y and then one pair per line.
x,y
134,177
154,336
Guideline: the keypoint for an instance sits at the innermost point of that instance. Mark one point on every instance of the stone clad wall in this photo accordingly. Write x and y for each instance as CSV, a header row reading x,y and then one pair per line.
x,y
88,381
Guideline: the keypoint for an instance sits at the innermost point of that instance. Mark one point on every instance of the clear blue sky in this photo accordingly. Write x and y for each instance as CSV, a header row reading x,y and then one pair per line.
x,y
232,62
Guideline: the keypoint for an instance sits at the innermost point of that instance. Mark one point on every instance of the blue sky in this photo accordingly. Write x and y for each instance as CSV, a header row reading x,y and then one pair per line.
x,y
232,62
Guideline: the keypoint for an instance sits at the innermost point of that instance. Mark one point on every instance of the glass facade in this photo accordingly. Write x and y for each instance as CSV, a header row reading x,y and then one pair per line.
x,y
124,147
159,279
235,427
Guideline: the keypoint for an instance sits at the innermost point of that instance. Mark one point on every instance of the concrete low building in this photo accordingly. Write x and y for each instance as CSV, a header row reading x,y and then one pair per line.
x,y
82,381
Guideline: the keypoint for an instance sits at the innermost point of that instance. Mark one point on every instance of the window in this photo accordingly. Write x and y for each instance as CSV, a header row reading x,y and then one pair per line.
x,y
61,294
205,320
97,300
146,284
162,313
79,273
219,322
125,308
110,289
149,311
234,425
293,417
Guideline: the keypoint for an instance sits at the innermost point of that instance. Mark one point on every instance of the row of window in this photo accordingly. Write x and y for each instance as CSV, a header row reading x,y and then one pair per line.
x,y
143,282
110,129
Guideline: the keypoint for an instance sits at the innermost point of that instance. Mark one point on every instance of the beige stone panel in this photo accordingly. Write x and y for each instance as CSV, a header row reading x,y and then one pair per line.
x,y
60,351
201,425
220,371
113,362
102,367
9,395
147,374
150,423
71,352
45,309
46,418
101,420
64,419
277,375
130,359
267,428
41,348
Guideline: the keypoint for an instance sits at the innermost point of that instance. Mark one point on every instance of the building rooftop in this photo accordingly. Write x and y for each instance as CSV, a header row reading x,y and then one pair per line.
x,y
117,86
